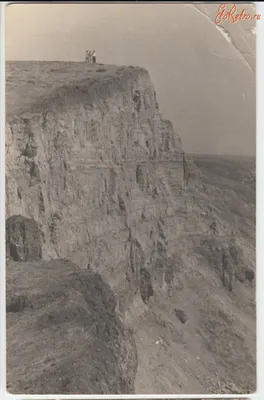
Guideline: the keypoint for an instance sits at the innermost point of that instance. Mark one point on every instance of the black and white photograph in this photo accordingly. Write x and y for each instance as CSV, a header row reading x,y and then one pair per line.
x,y
130,199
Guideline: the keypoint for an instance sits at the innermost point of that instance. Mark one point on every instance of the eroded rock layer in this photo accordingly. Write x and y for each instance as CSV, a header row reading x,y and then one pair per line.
x,y
91,160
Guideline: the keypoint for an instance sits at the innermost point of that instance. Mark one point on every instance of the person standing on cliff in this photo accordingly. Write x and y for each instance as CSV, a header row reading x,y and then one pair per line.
x,y
87,56
94,57
90,56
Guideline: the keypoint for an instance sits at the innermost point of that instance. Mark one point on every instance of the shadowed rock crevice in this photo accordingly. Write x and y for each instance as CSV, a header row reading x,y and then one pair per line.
x,y
137,100
140,176
23,239
16,304
146,289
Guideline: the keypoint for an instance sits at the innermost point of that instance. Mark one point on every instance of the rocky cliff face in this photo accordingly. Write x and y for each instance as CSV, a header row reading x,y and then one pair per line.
x,y
91,160
99,170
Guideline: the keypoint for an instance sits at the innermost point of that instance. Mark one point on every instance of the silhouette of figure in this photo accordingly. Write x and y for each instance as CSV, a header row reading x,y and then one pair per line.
x,y
94,57
90,56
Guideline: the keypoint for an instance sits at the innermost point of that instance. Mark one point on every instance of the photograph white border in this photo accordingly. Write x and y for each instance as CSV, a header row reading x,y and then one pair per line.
x,y
259,228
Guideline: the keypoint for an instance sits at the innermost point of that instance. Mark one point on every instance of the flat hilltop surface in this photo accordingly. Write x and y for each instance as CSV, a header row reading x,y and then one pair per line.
x,y
30,81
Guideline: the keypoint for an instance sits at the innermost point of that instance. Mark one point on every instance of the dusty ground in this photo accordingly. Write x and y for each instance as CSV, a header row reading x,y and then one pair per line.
x,y
93,162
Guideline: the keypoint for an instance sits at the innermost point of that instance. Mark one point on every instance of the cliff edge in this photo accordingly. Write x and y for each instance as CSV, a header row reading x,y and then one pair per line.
x,y
91,161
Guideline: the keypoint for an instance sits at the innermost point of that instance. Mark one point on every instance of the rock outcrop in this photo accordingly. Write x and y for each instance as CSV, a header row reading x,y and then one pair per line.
x,y
73,340
23,239
91,160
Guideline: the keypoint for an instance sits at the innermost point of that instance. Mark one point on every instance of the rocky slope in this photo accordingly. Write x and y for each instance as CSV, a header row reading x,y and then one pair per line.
x,y
73,340
90,160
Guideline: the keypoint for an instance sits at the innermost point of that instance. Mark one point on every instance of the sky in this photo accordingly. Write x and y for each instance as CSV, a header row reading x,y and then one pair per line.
x,y
204,83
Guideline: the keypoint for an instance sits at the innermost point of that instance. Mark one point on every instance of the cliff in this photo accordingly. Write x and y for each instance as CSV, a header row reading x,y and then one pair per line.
x,y
90,159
